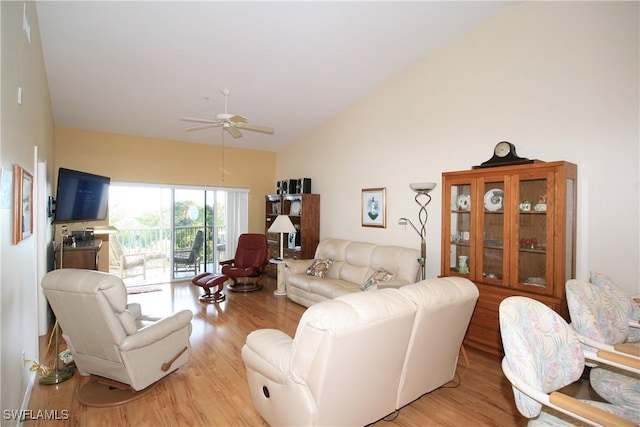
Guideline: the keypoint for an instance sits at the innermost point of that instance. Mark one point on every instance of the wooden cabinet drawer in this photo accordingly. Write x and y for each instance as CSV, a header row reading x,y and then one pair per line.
x,y
487,340
485,318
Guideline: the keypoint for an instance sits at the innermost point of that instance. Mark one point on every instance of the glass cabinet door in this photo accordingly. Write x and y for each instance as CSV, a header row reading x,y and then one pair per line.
x,y
535,228
492,245
460,230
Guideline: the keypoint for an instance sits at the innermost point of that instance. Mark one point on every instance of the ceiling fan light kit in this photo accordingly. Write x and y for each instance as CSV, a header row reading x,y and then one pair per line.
x,y
232,123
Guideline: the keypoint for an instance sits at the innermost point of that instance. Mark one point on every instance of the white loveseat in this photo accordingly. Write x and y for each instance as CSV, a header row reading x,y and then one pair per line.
x,y
361,356
354,263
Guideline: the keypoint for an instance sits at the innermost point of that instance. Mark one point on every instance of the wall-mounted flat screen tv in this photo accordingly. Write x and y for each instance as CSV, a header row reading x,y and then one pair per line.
x,y
81,196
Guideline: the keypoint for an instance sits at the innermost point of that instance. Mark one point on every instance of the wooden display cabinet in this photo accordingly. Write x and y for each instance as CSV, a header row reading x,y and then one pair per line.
x,y
512,231
304,212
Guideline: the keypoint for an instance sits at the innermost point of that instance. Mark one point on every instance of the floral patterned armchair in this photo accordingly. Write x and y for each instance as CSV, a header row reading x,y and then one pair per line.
x,y
600,314
542,355
625,306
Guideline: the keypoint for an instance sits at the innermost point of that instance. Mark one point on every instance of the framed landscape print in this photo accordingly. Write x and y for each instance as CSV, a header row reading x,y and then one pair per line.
x,y
374,208
22,204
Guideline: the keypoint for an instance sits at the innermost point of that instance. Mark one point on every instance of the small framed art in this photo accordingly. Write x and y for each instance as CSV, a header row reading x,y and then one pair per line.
x,y
22,204
374,208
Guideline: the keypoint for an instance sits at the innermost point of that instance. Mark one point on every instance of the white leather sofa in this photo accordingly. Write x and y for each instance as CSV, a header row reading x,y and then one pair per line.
x,y
354,263
361,356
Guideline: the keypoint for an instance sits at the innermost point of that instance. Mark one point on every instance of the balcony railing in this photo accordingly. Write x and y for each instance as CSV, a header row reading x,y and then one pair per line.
x,y
156,242
145,240
159,240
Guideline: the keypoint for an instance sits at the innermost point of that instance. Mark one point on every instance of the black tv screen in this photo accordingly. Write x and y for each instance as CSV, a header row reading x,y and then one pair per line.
x,y
81,196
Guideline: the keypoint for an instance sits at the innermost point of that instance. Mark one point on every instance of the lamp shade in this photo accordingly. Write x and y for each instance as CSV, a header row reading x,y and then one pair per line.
x,y
422,187
282,224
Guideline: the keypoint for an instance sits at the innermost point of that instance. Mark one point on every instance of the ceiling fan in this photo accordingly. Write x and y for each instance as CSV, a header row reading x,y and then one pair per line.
x,y
232,123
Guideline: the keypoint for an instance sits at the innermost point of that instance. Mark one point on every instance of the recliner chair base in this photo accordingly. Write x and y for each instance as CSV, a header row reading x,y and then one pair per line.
x,y
103,392
245,286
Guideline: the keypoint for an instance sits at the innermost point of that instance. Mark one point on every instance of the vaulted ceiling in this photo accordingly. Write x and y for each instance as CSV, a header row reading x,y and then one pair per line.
x,y
136,67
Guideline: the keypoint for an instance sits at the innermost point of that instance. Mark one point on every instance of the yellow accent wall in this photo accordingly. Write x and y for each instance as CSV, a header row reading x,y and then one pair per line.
x,y
126,158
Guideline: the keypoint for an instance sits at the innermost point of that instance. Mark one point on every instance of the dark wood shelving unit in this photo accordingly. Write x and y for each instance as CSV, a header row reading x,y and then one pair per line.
x,y
304,211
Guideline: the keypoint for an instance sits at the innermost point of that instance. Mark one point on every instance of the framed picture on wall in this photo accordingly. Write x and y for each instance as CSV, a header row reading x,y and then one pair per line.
x,y
374,208
22,204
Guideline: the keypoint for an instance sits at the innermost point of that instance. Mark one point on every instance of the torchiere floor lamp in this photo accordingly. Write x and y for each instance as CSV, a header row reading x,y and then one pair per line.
x,y
422,198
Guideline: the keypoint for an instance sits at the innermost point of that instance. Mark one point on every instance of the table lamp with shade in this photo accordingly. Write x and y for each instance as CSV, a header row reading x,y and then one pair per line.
x,y
282,225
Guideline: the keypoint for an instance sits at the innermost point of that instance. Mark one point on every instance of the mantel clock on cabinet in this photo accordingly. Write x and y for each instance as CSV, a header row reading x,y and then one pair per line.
x,y
504,153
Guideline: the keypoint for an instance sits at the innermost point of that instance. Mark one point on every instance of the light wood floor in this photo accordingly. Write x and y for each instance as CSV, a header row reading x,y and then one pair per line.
x,y
211,390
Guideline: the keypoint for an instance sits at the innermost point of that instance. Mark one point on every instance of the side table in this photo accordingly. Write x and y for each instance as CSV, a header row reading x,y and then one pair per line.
x,y
281,289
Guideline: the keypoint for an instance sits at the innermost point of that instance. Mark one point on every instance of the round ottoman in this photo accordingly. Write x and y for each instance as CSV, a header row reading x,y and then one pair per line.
x,y
213,284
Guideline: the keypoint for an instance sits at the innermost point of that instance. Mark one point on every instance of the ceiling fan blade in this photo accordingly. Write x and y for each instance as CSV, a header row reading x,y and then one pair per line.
x,y
256,128
233,131
238,119
212,125
193,119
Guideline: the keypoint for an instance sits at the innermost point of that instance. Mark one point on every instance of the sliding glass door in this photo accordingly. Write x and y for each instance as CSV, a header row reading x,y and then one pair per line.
x,y
172,233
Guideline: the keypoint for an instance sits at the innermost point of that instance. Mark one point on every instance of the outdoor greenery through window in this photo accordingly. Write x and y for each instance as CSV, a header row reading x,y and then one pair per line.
x,y
168,233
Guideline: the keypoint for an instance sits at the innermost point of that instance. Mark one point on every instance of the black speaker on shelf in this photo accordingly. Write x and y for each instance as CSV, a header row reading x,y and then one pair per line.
x,y
279,187
303,185
290,186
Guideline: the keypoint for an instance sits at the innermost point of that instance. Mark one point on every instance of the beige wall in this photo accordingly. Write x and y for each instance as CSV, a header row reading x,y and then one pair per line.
x,y
147,160
558,79
22,128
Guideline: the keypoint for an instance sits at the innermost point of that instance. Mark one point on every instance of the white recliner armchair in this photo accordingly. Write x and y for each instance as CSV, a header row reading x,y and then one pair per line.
x,y
361,356
109,338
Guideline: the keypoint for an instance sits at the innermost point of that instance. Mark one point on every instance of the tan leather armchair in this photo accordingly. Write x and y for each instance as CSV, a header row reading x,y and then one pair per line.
x,y
109,338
